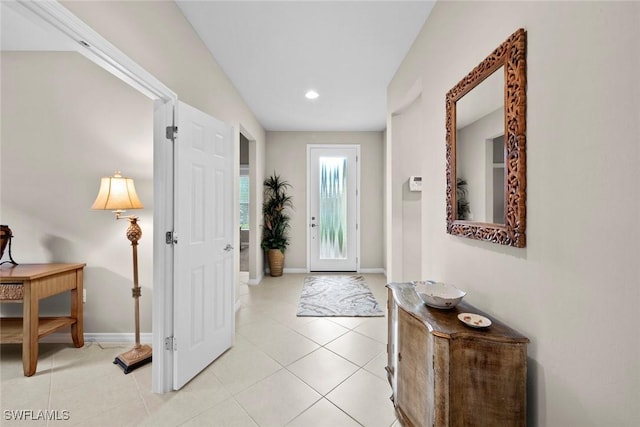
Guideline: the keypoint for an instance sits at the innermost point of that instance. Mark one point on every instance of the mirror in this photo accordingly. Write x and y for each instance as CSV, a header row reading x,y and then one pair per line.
x,y
486,135
480,152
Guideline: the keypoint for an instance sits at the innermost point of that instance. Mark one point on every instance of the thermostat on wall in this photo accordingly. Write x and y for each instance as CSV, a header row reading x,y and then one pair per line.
x,y
415,183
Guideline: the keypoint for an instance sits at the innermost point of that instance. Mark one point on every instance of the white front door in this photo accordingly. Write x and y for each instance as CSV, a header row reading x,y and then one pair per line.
x,y
333,183
203,273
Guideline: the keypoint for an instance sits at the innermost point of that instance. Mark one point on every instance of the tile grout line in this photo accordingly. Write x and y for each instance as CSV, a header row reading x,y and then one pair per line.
x,y
52,367
344,412
244,409
144,402
305,409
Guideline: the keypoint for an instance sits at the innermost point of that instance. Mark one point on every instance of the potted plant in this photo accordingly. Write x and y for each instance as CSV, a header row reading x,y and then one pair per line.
x,y
275,229
463,210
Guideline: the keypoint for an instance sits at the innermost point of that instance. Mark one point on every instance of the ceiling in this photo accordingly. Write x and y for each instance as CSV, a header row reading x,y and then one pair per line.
x,y
273,52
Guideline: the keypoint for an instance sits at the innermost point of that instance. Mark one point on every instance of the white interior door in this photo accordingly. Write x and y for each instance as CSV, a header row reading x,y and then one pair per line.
x,y
333,183
204,277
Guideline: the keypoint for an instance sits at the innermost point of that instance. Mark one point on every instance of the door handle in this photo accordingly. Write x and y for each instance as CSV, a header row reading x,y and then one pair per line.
x,y
312,225
228,248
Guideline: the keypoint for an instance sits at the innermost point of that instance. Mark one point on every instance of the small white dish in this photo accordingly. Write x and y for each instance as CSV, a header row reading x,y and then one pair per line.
x,y
474,320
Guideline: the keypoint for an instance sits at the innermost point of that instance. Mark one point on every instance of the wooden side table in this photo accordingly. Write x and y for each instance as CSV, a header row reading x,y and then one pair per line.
x,y
29,283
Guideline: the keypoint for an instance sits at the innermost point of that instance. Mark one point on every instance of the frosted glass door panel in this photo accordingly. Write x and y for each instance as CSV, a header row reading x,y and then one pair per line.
x,y
333,207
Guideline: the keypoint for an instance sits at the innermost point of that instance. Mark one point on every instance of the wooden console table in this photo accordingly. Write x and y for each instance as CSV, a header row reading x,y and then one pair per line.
x,y
444,373
29,283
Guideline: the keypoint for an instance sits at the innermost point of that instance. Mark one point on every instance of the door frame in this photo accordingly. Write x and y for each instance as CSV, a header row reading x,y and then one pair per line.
x,y
52,15
358,197
256,254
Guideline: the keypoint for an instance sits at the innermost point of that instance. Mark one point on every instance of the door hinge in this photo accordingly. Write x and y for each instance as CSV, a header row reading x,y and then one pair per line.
x,y
171,238
170,344
172,132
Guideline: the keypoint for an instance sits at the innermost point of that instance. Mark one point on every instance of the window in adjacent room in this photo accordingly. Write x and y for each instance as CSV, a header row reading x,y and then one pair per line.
x,y
244,198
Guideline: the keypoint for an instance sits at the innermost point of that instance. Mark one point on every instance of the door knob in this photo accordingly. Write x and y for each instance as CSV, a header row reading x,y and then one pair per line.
x,y
228,248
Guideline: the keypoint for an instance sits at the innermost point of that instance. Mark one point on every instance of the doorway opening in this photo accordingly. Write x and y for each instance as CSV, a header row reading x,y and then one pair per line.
x,y
245,204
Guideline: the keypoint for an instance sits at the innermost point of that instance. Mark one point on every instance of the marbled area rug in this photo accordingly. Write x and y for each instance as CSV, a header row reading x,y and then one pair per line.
x,y
329,296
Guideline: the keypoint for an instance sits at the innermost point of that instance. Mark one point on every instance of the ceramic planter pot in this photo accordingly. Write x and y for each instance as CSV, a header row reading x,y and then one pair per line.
x,y
276,262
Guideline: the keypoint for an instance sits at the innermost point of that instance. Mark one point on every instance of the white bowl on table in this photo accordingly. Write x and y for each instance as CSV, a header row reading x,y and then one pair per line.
x,y
438,294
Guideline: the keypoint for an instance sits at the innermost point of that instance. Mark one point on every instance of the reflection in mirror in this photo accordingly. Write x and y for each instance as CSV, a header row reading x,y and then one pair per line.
x,y
480,151
486,148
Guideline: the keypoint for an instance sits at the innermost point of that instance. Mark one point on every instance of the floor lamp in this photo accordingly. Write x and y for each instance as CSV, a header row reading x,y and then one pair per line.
x,y
118,194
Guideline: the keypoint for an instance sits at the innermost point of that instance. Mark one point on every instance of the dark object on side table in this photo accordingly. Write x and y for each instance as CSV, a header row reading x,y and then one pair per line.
x,y
5,240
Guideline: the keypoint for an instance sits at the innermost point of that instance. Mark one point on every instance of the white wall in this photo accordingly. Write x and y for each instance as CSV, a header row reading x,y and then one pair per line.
x,y
287,156
385,201
66,123
90,140
574,290
406,206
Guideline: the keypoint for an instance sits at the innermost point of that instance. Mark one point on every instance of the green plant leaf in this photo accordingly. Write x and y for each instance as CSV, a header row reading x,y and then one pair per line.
x,y
275,216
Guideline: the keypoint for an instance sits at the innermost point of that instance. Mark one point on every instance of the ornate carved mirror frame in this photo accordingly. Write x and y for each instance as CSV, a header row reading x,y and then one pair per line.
x,y
512,55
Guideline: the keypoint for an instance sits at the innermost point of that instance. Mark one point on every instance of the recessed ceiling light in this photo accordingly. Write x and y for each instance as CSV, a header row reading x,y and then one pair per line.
x,y
311,94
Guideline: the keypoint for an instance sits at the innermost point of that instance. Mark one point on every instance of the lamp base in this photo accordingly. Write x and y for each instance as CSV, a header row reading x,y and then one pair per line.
x,y
133,358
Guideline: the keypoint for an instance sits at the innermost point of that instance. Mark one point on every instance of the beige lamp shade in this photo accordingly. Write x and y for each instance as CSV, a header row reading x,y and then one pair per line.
x,y
117,193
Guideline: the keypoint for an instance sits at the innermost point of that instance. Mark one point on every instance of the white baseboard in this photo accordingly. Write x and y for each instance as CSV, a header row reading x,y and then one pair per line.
x,y
255,281
145,338
290,271
378,270
295,270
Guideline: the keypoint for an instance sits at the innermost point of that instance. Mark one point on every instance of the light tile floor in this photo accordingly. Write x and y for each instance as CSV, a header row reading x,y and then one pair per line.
x,y
283,370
